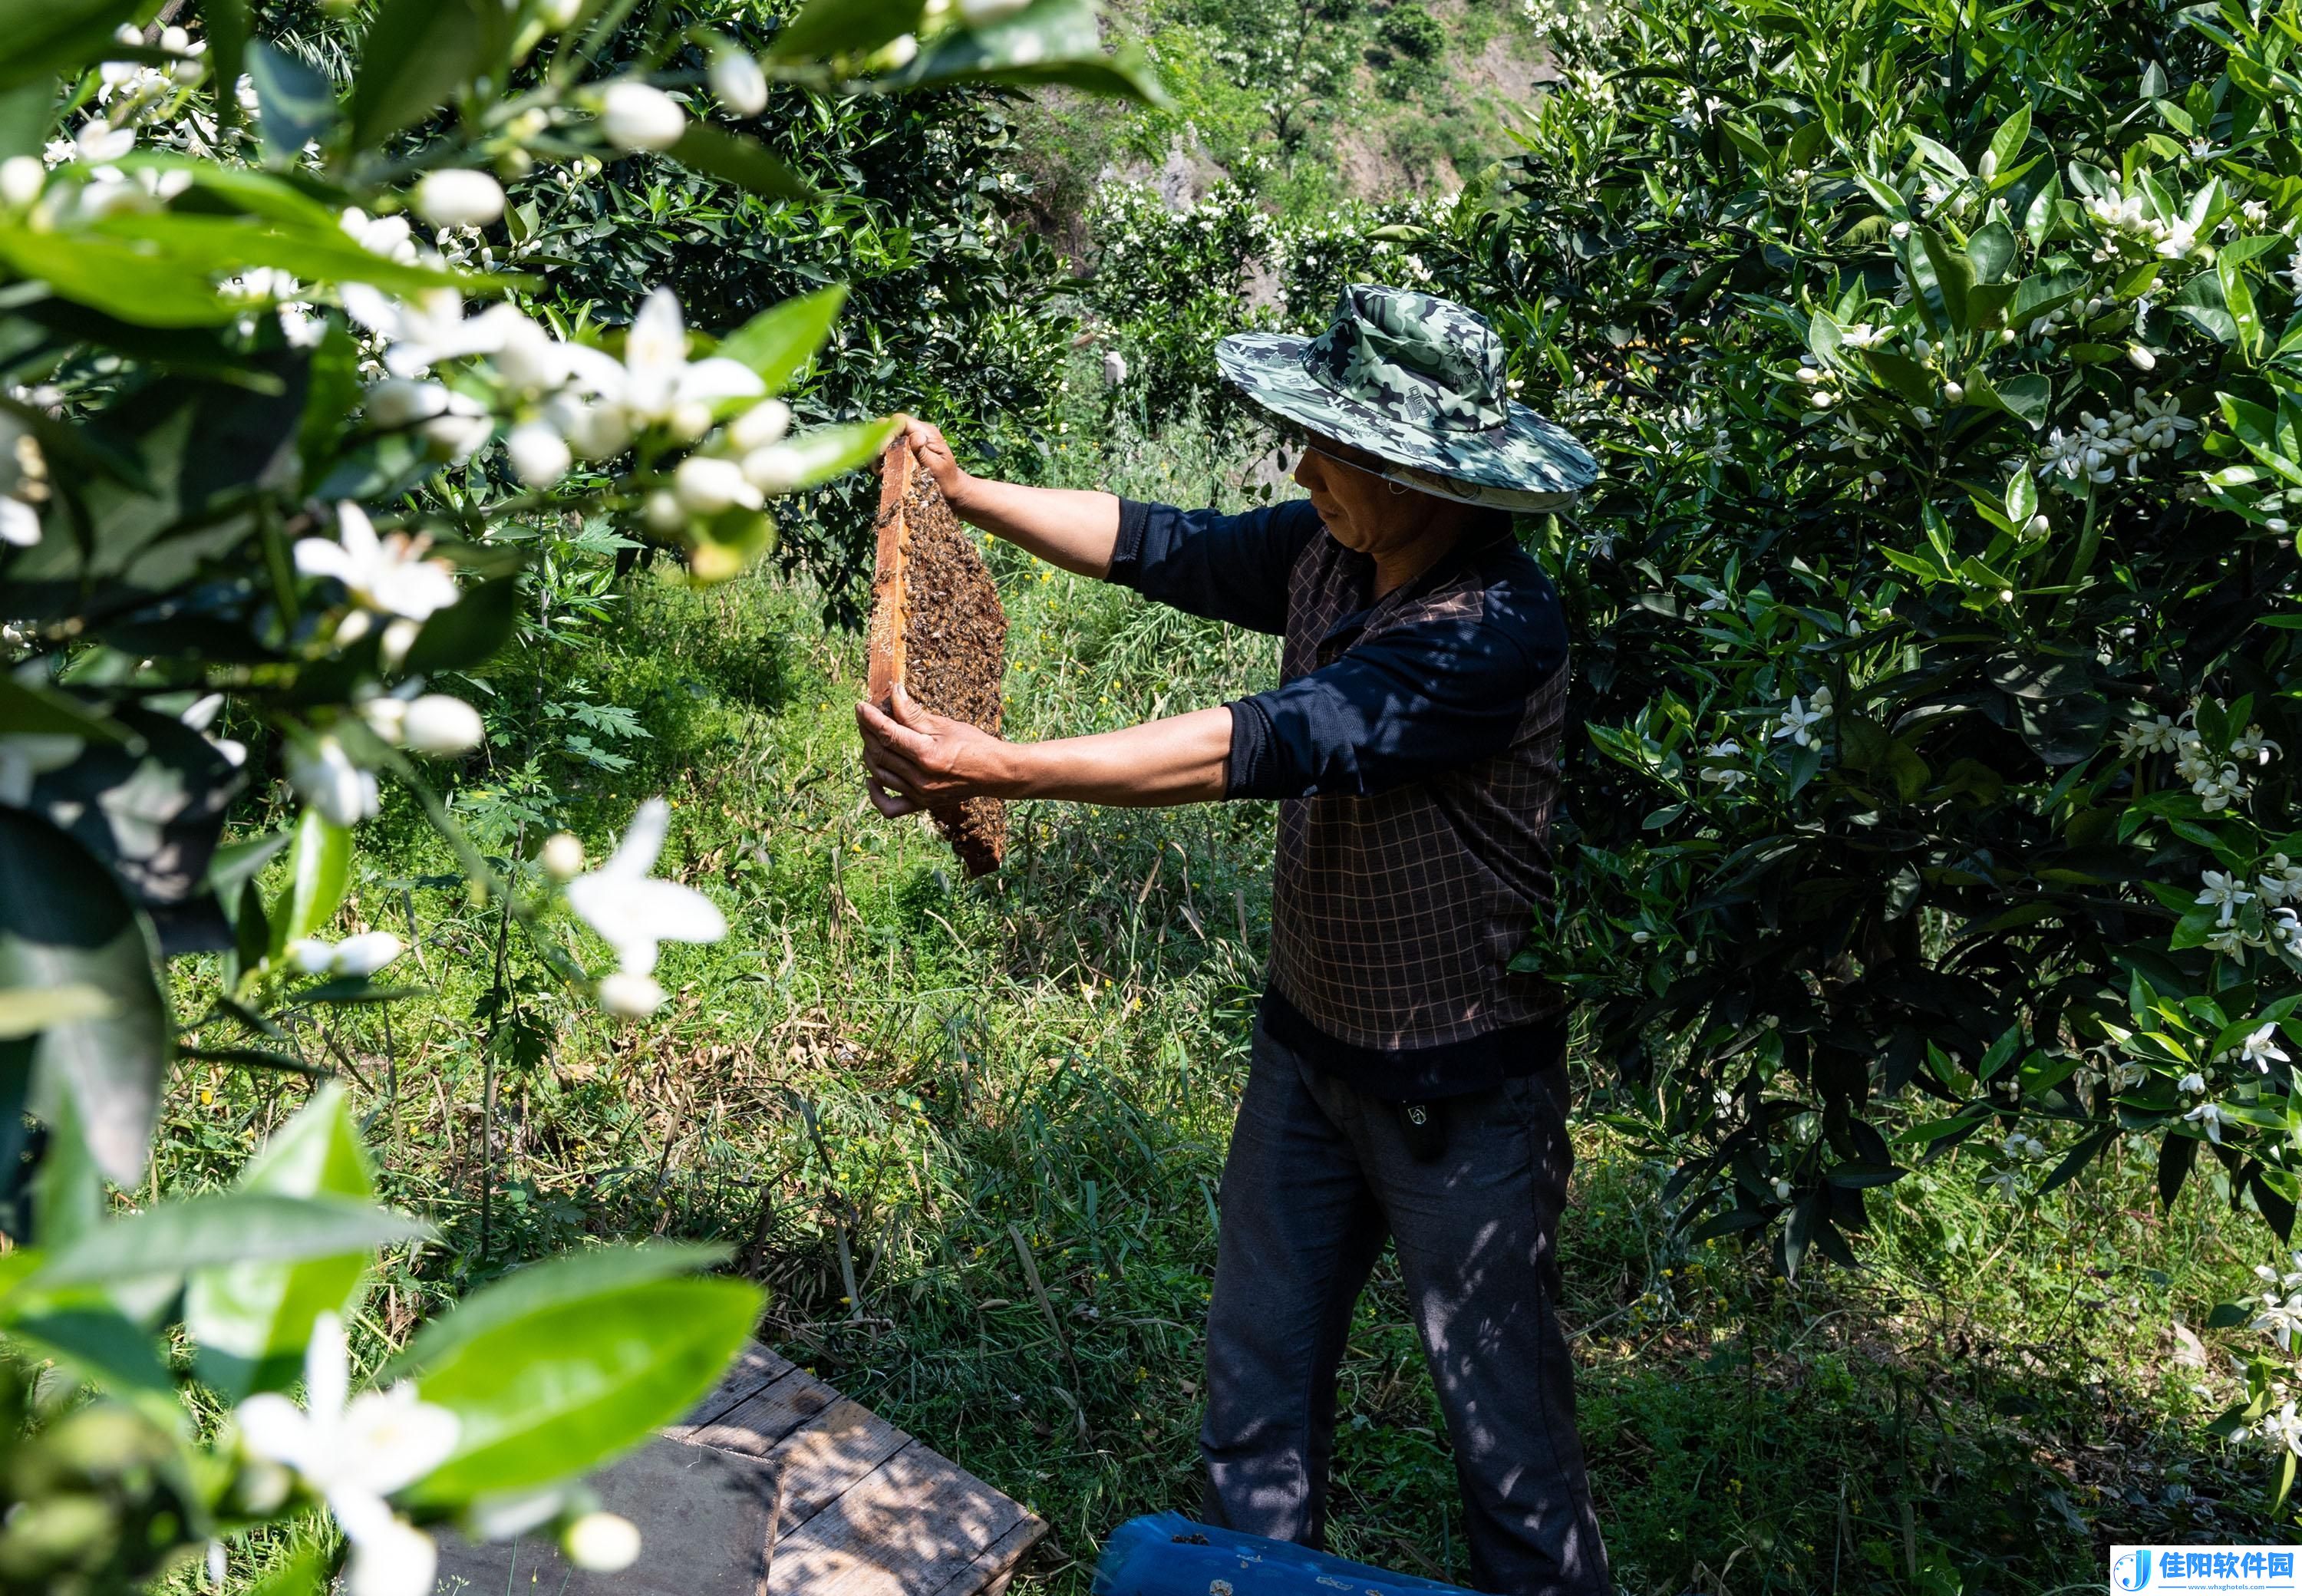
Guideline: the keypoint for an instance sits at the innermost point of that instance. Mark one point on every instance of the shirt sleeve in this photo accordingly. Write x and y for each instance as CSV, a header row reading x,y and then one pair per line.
x,y
1401,707
1229,568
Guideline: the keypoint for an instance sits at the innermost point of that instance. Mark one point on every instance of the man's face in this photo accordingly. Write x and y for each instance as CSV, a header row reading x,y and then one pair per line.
x,y
1360,508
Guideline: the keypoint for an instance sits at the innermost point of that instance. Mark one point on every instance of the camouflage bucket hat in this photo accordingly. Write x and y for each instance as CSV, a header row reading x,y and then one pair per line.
x,y
1419,381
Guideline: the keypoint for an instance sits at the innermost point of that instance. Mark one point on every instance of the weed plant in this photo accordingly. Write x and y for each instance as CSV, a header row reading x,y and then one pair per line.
x,y
970,1137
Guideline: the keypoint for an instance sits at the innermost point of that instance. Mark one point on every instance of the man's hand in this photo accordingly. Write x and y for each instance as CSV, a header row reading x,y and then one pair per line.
x,y
926,440
914,760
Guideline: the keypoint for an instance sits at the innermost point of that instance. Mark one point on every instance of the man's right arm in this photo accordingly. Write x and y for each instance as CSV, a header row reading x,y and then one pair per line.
x,y
1064,526
1223,567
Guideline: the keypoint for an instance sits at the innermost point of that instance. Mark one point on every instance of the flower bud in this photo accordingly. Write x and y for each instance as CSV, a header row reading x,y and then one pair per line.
x,y
1900,230
1987,167
597,432
2038,527
1807,373
562,857
399,402
439,724
365,954
601,1542
739,83
764,424
540,456
387,718
982,14
631,995
706,485
894,55
777,469
399,637
310,955
640,116
21,179
459,197
1782,1191
662,514
688,421
2143,359
2275,524
1823,398
1953,393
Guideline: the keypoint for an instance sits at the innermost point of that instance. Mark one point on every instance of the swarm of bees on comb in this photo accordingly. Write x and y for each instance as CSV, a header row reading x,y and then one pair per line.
x,y
939,629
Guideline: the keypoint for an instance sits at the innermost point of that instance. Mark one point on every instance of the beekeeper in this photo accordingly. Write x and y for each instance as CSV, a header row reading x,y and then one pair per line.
x,y
1408,1083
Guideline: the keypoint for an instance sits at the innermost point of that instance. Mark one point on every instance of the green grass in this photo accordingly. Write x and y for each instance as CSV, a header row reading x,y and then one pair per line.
x,y
887,1084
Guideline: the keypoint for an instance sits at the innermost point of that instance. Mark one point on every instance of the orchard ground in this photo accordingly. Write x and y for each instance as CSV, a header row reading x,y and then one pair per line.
x,y
887,1086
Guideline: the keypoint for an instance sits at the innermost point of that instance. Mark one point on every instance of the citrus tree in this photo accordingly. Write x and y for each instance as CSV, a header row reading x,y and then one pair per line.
x,y
279,407
1935,616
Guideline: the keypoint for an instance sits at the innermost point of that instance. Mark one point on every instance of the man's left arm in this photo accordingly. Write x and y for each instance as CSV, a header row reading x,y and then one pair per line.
x,y
1424,698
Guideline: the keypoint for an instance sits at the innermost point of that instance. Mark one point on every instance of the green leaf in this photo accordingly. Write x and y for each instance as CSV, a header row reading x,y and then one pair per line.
x,y
48,711
294,103
319,870
46,38
2026,396
569,1362
68,923
206,1232
26,1012
225,245
845,27
25,113
1910,380
744,161
105,1346
1991,250
68,1199
253,1321
415,56
1048,41
1952,272
475,626
138,286
2007,142
2021,495
779,343
2038,221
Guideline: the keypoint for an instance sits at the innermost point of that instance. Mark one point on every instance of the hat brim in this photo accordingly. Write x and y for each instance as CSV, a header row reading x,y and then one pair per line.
x,y
1525,463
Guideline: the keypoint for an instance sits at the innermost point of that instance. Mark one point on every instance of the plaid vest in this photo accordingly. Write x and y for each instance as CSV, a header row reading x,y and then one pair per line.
x,y
1394,918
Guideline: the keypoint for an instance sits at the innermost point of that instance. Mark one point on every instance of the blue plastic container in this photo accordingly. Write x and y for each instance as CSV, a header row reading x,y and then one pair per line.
x,y
1168,1555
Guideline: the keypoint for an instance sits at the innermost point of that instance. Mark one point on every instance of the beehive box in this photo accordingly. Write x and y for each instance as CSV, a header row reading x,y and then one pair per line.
x,y
938,627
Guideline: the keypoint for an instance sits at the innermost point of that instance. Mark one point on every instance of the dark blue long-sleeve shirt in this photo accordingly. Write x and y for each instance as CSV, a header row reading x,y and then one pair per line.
x,y
1430,694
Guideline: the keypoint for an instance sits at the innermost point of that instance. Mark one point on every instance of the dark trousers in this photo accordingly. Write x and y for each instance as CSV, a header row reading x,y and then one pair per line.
x,y
1319,1175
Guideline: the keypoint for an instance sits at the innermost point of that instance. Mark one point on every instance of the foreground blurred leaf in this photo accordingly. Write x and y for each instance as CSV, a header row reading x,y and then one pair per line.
x,y
1048,41
252,1322
319,868
414,56
67,923
744,161
844,27
45,36
570,1362
779,341
177,1239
